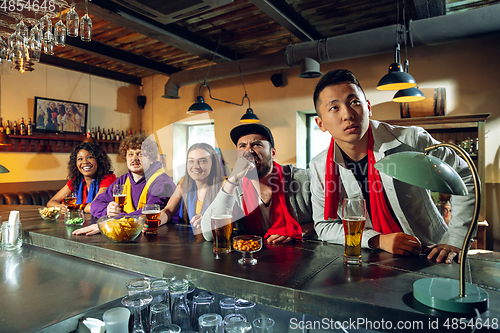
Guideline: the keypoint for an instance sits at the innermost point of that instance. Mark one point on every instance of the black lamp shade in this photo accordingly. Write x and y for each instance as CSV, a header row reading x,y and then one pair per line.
x,y
200,106
249,117
408,95
396,79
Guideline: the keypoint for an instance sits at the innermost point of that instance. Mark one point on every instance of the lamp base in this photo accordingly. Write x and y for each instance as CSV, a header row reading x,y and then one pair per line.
x,y
443,294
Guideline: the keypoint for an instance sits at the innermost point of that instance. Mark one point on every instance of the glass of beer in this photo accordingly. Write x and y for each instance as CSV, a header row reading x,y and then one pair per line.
x,y
70,201
222,227
119,194
152,212
353,218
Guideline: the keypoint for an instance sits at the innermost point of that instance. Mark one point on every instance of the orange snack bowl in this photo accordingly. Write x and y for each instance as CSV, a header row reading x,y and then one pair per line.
x,y
121,228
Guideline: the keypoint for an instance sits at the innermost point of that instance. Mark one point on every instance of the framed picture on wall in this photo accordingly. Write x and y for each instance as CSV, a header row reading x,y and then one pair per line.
x,y
54,115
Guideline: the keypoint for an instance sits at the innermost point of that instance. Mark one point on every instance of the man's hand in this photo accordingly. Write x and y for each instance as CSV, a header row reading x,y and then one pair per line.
x,y
113,209
397,243
90,230
278,238
241,167
442,251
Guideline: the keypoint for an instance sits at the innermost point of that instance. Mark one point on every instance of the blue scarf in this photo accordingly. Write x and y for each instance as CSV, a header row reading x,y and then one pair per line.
x,y
191,204
94,188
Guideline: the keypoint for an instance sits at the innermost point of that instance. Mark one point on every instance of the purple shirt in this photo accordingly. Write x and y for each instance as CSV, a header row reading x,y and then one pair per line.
x,y
160,190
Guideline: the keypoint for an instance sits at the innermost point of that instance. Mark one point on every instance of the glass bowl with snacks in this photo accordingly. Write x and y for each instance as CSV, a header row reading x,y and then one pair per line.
x,y
121,228
247,245
74,217
49,213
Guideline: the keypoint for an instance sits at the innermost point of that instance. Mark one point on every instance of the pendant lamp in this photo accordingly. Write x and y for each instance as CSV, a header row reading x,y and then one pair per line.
x,y
199,106
396,78
408,95
249,117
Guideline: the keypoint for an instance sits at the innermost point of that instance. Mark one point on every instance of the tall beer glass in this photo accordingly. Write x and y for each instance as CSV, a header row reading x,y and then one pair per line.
x,y
70,201
152,212
119,194
353,218
222,227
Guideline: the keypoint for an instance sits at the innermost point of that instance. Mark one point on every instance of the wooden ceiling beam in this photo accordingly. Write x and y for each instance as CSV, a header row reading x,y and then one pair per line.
x,y
105,51
89,69
286,16
171,34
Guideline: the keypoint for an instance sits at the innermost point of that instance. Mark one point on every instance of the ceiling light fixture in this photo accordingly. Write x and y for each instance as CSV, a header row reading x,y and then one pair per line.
x,y
397,78
410,94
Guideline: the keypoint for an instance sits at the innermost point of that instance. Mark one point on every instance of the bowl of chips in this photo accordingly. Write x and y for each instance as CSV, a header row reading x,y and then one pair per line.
x,y
121,228
49,213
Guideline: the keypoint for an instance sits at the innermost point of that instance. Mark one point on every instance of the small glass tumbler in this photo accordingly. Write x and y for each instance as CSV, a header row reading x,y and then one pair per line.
x,y
263,325
210,323
233,318
169,328
12,236
116,320
136,302
160,292
159,315
203,302
138,285
246,308
226,306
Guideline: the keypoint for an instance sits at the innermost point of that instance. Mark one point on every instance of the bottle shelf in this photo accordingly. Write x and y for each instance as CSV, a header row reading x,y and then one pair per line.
x,y
53,143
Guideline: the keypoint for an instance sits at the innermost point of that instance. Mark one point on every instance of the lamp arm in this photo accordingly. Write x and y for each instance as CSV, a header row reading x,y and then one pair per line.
x,y
221,100
477,203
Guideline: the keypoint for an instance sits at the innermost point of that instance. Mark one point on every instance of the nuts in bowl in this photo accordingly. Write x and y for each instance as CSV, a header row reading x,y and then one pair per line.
x,y
247,245
49,213
121,228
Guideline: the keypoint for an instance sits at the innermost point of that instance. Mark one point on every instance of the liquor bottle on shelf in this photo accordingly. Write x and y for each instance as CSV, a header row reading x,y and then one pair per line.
x,y
7,128
103,134
88,133
117,136
123,134
15,131
1,125
130,133
98,133
108,135
30,127
22,127
92,134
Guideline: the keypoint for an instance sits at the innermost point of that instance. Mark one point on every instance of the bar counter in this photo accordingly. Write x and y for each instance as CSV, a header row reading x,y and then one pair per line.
x,y
302,277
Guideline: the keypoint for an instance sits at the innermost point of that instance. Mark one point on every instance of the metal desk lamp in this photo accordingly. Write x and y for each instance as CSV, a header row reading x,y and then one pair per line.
x,y
429,172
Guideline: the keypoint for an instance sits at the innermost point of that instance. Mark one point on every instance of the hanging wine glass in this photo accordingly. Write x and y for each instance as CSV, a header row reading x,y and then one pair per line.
x,y
60,28
48,36
86,25
72,21
5,54
35,40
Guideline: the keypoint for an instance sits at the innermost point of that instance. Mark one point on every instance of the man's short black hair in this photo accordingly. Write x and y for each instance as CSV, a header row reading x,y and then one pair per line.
x,y
332,78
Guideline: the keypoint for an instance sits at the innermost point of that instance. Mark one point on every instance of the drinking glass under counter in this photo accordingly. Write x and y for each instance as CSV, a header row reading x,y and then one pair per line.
x,y
301,277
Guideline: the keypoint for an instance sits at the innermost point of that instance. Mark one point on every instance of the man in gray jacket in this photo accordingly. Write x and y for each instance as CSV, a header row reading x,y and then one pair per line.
x,y
267,199
402,218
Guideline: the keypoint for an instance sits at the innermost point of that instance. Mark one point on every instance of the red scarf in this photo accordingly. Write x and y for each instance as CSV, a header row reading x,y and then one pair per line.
x,y
381,216
283,223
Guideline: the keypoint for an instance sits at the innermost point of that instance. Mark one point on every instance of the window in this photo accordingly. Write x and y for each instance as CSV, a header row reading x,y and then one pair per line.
x,y
317,141
200,133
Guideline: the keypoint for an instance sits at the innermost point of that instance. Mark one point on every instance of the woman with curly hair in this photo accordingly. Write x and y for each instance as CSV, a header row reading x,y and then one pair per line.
x,y
145,182
200,185
89,174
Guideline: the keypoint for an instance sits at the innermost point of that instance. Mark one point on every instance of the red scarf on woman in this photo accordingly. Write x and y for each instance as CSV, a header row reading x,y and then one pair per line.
x,y
381,216
283,223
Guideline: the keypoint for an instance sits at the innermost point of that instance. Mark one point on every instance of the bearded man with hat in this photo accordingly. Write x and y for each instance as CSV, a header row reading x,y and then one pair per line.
x,y
267,199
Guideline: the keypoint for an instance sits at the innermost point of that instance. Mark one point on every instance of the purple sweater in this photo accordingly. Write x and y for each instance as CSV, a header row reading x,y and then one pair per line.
x,y
159,192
